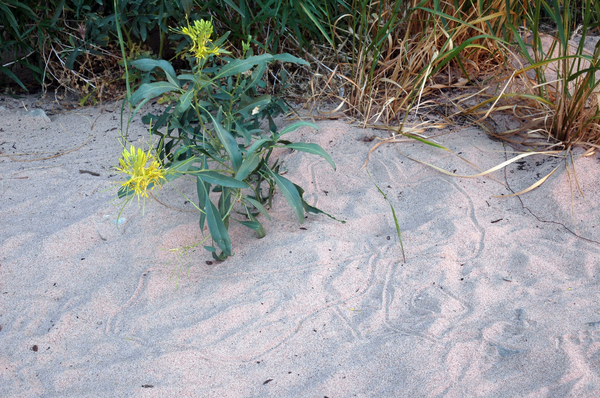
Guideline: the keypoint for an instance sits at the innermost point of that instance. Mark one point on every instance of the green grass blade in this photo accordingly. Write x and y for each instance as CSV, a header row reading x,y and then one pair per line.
x,y
317,23
393,214
13,77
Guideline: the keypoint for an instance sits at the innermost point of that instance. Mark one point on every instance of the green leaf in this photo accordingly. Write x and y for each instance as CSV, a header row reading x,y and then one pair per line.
x,y
257,75
124,192
224,205
311,209
257,145
246,110
185,101
446,57
260,231
290,193
230,144
260,207
70,62
11,18
232,4
213,177
312,148
187,6
316,22
249,164
14,77
295,126
255,225
285,57
217,228
393,214
147,64
238,66
202,188
240,128
57,12
148,91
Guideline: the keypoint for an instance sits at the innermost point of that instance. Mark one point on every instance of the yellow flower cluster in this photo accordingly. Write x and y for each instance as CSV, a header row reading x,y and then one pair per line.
x,y
143,169
200,33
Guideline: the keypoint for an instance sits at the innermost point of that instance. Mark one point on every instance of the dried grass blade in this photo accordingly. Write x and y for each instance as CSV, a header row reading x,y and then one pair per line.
x,y
489,171
531,188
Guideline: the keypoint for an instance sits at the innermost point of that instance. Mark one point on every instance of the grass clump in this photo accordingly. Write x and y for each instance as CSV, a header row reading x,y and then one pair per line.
x,y
560,97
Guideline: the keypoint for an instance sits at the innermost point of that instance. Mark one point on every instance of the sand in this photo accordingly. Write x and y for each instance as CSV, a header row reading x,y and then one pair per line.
x,y
498,297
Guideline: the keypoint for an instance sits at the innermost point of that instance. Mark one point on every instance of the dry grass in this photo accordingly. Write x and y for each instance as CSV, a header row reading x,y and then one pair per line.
x,y
548,86
389,64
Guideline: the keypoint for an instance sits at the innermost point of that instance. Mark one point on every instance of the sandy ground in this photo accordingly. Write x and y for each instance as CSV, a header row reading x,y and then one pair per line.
x,y
497,297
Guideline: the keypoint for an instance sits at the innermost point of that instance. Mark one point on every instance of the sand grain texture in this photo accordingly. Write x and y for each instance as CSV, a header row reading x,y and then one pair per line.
x,y
491,301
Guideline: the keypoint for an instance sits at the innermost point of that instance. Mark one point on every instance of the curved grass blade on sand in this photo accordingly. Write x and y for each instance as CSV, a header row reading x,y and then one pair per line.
x,y
393,214
481,174
414,135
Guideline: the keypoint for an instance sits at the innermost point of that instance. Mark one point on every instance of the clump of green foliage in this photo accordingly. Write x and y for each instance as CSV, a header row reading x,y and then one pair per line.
x,y
213,133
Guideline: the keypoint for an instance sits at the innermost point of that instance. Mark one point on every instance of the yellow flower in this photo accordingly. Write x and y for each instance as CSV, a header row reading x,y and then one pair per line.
x,y
144,171
200,33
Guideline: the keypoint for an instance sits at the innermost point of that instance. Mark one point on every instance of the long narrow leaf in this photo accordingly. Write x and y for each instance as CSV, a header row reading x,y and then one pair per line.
x,y
217,228
229,143
285,57
148,91
248,109
260,207
311,209
242,65
219,179
202,188
312,148
147,64
14,77
317,24
295,126
248,166
393,214
291,194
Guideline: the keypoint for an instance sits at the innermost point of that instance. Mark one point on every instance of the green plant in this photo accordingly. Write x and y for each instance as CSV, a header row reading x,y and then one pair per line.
x,y
398,52
24,26
556,93
214,134
271,22
364,35
561,98
398,232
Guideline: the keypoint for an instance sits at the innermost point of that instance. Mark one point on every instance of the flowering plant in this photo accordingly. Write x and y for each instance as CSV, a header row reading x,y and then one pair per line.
x,y
213,133
142,176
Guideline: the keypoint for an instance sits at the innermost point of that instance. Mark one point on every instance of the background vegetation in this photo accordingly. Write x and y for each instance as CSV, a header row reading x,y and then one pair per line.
x,y
376,59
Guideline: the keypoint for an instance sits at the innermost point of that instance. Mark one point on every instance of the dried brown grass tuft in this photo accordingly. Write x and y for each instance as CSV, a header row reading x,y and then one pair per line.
x,y
389,64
